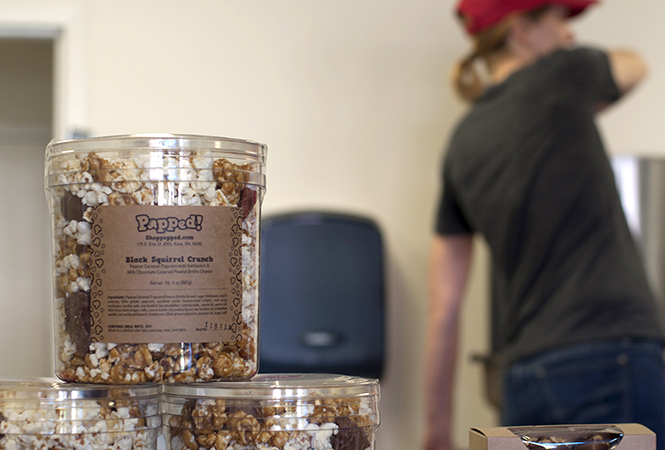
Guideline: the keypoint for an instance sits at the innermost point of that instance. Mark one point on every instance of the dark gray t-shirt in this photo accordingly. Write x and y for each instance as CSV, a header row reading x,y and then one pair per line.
x,y
526,167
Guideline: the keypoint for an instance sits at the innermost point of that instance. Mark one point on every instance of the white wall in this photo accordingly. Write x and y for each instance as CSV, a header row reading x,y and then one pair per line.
x,y
634,126
352,99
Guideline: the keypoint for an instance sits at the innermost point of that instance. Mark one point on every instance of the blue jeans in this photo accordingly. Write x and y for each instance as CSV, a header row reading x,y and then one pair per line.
x,y
619,381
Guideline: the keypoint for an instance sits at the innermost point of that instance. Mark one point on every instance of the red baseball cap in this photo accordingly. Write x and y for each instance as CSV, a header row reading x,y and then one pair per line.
x,y
481,14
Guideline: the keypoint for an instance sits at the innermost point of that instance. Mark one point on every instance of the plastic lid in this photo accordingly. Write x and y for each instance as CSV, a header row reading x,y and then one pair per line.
x,y
158,141
47,389
569,437
155,157
281,387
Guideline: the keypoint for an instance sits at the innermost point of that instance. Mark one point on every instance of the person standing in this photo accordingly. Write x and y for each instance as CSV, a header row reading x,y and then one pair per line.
x,y
574,322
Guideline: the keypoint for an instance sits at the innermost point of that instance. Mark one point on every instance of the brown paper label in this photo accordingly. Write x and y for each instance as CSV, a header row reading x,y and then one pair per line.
x,y
166,274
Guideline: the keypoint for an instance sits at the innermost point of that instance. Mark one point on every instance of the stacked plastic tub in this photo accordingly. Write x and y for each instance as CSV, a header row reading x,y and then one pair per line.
x,y
156,298
156,258
285,412
47,414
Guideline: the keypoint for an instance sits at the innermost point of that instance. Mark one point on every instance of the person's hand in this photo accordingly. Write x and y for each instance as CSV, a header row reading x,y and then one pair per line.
x,y
439,446
436,441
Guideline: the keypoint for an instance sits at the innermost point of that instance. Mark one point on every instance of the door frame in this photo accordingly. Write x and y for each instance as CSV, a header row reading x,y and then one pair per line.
x,y
67,26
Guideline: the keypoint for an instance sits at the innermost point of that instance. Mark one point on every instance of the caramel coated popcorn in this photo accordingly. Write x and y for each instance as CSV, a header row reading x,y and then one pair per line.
x,y
197,179
325,424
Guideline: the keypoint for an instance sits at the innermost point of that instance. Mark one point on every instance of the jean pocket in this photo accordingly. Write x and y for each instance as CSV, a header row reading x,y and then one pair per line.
x,y
589,391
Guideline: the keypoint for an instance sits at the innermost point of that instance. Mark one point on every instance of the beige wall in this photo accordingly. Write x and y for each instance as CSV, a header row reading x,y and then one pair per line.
x,y
352,99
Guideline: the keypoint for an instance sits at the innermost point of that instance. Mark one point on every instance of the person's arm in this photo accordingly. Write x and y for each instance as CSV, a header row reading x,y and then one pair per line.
x,y
628,69
448,270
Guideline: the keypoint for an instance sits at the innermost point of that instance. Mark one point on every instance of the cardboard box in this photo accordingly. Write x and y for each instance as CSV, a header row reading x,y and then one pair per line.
x,y
630,436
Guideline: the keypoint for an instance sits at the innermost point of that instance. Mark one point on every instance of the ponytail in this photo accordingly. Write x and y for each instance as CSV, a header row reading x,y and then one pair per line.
x,y
465,77
466,80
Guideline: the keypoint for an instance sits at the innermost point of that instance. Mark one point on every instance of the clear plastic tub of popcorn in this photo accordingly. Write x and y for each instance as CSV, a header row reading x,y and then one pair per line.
x,y
155,257
49,414
273,412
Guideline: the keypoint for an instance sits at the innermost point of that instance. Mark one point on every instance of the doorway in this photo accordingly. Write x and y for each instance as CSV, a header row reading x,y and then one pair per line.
x,y
26,118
